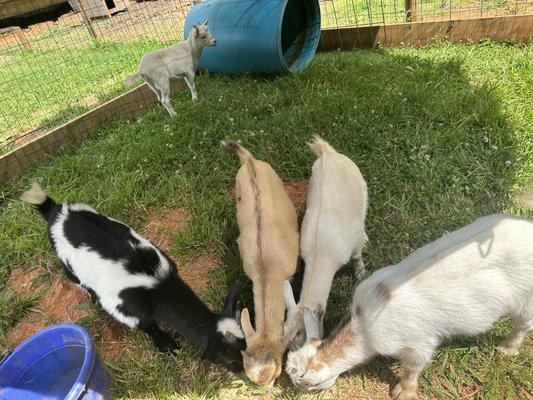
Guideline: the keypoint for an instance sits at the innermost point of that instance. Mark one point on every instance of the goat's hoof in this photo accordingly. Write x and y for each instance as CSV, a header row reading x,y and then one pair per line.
x,y
508,351
401,393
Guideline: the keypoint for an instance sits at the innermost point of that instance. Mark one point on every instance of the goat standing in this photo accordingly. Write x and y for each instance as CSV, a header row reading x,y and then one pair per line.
x,y
135,281
333,232
177,61
458,285
268,245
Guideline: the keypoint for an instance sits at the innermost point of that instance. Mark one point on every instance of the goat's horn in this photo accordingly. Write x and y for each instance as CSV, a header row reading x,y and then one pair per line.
x,y
247,328
290,303
311,325
205,23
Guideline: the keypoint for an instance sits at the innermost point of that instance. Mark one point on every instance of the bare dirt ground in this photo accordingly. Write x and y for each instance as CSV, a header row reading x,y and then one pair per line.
x,y
159,20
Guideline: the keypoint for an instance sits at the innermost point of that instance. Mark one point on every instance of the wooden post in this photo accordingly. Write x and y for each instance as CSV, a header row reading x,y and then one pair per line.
x,y
22,37
86,20
411,10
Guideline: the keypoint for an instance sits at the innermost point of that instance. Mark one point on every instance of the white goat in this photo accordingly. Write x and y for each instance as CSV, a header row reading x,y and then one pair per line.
x,y
177,61
458,285
333,231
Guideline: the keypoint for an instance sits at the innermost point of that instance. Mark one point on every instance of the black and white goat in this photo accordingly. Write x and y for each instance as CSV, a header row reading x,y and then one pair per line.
x,y
136,282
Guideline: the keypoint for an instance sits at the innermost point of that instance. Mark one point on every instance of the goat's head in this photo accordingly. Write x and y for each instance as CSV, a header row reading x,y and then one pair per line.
x,y
293,328
304,365
262,358
225,344
201,34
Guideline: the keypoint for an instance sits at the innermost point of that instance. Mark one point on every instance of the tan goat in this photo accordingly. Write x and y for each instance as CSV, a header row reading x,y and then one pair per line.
x,y
268,245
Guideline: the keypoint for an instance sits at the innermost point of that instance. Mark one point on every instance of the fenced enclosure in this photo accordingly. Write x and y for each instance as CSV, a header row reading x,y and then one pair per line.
x,y
60,60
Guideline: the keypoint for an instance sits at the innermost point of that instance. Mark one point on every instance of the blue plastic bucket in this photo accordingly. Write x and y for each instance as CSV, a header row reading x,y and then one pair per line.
x,y
57,363
258,36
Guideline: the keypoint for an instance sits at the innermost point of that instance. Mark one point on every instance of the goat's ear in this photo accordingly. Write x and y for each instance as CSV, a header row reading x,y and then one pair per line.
x,y
290,303
230,304
247,328
311,325
195,31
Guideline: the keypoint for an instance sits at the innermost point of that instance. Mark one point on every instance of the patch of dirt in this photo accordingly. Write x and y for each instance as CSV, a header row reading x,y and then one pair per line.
x,y
58,304
28,282
297,192
195,270
161,225
108,337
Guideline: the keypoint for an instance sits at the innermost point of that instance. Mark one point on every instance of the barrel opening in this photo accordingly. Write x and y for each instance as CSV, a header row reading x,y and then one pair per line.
x,y
300,33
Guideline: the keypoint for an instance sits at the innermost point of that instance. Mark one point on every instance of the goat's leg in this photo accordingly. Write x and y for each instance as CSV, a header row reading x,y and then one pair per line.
x,y
358,264
164,86
154,88
160,339
523,323
414,362
189,78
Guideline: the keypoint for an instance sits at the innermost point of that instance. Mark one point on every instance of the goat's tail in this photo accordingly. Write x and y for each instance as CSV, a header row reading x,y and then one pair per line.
x,y
130,80
235,148
37,197
320,146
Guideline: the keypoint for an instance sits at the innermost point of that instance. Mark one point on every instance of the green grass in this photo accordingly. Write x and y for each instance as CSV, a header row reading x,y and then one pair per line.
x,y
442,134
48,87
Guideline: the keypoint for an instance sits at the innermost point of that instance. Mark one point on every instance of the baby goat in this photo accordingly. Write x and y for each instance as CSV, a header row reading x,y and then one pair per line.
x,y
177,61
135,281
333,231
268,245
458,285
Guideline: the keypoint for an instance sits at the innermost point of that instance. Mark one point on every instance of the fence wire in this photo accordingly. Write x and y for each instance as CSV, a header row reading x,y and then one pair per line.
x,y
60,59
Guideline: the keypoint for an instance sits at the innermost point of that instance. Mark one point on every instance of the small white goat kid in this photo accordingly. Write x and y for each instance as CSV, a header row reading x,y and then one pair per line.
x,y
333,231
177,61
458,285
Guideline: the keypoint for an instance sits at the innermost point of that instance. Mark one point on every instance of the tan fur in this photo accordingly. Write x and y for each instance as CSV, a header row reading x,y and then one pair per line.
x,y
384,291
342,338
269,246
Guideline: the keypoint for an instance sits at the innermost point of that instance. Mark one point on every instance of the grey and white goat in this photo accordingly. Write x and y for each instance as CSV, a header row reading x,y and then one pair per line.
x,y
177,61
458,285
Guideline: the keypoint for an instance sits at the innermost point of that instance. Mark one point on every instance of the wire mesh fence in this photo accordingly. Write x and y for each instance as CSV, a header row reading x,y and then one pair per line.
x,y
60,59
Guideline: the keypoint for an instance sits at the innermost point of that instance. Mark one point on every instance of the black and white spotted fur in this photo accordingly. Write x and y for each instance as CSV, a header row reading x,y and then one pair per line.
x,y
135,281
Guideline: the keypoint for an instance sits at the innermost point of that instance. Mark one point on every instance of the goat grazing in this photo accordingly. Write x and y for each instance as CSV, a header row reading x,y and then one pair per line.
x,y
268,245
458,285
135,281
177,61
332,233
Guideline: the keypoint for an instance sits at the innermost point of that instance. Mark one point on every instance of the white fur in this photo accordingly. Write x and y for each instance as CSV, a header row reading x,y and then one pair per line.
x,y
458,285
333,231
230,325
35,195
81,207
108,278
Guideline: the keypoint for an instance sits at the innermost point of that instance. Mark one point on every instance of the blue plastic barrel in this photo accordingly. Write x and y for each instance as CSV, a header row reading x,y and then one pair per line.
x,y
258,36
57,363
